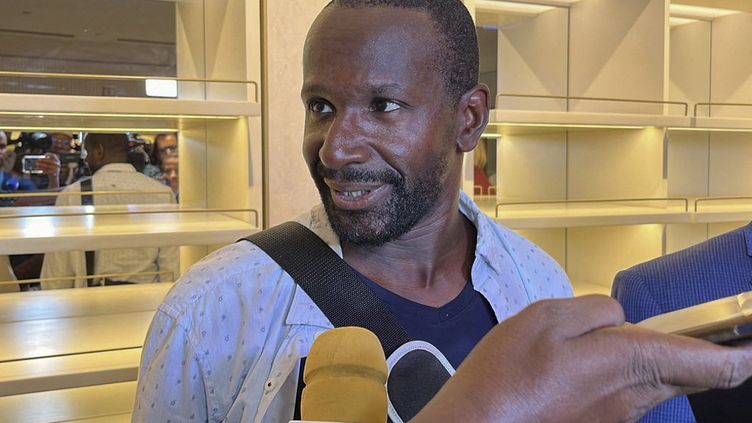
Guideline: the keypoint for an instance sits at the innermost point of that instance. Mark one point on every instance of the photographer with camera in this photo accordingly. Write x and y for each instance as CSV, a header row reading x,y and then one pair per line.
x,y
37,161
10,182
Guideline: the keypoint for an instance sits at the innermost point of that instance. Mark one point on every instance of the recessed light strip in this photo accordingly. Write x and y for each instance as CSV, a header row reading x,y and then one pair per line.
x,y
116,115
563,125
87,129
699,12
700,129
674,21
502,7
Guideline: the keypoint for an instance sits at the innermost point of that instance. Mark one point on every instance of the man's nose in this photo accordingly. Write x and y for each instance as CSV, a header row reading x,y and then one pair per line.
x,y
345,142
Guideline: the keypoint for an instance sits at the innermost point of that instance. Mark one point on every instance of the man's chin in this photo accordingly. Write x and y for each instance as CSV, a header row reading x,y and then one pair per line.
x,y
358,228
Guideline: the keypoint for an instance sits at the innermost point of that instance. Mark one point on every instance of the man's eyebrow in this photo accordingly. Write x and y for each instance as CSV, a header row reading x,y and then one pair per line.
x,y
386,88
379,89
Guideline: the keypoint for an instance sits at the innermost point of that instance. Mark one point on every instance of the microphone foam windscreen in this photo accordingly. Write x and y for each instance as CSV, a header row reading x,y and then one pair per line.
x,y
345,376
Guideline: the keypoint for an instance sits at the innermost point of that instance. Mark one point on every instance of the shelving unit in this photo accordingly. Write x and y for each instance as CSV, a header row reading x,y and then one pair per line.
x,y
74,354
584,213
25,230
568,150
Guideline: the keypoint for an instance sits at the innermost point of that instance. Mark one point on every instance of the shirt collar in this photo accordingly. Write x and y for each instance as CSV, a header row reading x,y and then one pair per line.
x,y
116,167
304,311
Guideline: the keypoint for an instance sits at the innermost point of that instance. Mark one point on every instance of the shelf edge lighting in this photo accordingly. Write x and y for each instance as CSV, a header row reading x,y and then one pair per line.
x,y
700,129
511,7
88,129
115,115
675,21
161,88
699,12
563,125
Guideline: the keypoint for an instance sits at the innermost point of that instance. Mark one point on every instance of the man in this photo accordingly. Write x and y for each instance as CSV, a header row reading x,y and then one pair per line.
x,y
392,104
717,268
106,156
11,182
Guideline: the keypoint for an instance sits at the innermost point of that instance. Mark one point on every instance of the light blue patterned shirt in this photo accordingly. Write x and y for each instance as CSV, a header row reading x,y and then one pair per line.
x,y
225,344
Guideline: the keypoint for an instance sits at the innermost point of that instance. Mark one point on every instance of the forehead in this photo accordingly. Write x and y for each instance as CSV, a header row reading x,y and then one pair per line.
x,y
167,139
371,45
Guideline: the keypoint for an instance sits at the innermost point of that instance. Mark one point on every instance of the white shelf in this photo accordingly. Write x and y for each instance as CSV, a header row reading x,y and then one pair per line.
x,y
53,373
81,112
25,230
549,215
74,337
721,124
573,214
722,210
104,403
64,303
582,120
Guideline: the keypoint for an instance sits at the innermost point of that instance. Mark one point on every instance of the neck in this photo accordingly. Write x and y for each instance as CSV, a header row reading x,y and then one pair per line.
x,y
429,265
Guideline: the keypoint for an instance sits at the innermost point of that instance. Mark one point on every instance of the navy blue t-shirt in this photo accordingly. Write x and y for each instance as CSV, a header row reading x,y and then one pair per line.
x,y
454,328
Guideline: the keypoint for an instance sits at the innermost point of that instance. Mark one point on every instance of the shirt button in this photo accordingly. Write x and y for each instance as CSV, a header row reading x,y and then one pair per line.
x,y
269,385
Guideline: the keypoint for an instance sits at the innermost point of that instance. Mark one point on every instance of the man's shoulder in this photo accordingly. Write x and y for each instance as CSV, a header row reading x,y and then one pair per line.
x,y
715,253
134,177
236,272
716,268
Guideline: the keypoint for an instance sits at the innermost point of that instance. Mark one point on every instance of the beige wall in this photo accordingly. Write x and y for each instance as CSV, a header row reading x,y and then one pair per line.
x,y
291,190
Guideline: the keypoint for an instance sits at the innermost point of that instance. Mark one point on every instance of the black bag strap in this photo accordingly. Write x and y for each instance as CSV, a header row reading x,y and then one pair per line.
x,y
331,283
88,200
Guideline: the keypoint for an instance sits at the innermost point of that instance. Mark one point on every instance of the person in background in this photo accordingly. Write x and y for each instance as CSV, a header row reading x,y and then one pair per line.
x,y
717,268
9,181
170,169
106,156
163,163
48,176
481,183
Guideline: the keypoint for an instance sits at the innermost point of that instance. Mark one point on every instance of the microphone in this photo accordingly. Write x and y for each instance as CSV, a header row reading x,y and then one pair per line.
x,y
10,185
345,376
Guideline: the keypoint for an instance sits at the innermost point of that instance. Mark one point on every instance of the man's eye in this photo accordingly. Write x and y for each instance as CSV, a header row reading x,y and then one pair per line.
x,y
384,105
319,106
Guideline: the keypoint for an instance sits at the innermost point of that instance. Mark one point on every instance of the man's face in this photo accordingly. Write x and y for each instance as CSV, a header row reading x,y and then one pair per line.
x,y
380,128
61,143
167,146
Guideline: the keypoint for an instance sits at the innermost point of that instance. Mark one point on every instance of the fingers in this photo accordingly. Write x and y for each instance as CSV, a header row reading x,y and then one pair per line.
x,y
572,317
693,363
676,364
49,165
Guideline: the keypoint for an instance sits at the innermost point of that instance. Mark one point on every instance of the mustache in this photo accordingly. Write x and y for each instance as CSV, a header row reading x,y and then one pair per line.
x,y
354,174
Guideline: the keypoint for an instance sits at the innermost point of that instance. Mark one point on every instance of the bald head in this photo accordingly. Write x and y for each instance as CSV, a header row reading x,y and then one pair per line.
x,y
457,43
103,149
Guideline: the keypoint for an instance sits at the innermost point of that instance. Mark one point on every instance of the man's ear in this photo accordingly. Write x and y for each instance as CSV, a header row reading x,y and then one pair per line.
x,y
472,112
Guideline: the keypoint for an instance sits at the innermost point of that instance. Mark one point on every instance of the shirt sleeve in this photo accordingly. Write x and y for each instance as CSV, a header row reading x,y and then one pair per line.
x,y
171,383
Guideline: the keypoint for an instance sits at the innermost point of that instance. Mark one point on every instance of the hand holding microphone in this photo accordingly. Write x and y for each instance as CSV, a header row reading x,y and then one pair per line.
x,y
574,360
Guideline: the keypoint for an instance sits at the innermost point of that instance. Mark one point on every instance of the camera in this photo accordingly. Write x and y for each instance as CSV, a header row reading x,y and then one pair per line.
x,y
31,165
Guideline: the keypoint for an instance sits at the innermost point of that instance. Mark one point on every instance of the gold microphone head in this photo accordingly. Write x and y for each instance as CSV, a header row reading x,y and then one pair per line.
x,y
345,375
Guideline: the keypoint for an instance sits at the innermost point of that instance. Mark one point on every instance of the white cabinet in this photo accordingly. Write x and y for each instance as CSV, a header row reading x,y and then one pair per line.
x,y
614,146
216,115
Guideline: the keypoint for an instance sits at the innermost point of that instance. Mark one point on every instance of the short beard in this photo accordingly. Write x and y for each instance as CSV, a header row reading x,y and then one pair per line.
x,y
409,202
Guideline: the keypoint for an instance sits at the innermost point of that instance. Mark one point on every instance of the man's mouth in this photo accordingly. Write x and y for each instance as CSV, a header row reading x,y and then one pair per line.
x,y
354,194
357,196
